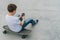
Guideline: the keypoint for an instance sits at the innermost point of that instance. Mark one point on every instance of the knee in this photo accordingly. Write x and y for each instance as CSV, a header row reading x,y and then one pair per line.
x,y
31,19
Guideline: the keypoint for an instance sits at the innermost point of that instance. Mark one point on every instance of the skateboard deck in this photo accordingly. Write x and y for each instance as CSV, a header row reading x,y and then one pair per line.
x,y
24,32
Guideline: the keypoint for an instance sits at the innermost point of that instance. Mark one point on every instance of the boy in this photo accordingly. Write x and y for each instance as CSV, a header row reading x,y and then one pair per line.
x,y
14,23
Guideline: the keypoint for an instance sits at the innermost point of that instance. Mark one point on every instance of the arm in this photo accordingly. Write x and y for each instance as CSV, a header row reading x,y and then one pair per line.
x,y
22,22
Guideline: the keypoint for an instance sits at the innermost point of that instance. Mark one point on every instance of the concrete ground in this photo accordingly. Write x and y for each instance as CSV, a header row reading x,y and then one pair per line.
x,y
47,11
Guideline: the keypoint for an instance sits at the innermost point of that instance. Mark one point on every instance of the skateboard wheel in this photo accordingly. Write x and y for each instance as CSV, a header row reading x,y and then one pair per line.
x,y
4,32
24,36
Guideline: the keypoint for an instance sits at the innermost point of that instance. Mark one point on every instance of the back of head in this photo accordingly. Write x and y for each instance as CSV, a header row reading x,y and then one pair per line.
x,y
11,7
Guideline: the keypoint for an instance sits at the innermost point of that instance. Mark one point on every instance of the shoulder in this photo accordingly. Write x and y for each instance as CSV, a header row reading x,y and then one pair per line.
x,y
16,18
11,17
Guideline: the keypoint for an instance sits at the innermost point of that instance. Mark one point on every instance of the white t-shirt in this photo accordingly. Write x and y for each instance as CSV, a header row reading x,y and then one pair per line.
x,y
13,23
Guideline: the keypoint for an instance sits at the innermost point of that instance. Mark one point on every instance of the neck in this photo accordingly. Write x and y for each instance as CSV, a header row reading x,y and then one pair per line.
x,y
11,14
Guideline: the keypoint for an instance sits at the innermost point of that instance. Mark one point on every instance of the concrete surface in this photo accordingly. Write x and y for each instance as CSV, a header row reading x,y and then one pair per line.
x,y
47,11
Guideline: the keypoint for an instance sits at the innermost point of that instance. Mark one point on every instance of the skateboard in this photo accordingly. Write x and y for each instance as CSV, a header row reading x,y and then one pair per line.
x,y
24,33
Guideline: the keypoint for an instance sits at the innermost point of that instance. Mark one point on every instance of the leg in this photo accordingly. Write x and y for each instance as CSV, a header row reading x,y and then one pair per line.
x,y
27,22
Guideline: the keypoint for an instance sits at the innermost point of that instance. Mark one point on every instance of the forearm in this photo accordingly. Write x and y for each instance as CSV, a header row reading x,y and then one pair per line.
x,y
23,21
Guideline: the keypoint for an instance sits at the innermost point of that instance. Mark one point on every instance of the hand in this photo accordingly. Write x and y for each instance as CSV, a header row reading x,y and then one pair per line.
x,y
23,14
23,17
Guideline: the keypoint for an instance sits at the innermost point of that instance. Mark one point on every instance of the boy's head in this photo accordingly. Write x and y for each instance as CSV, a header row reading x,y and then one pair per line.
x,y
12,8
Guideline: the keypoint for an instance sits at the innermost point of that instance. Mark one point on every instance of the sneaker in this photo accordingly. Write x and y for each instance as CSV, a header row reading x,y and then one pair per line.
x,y
35,22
